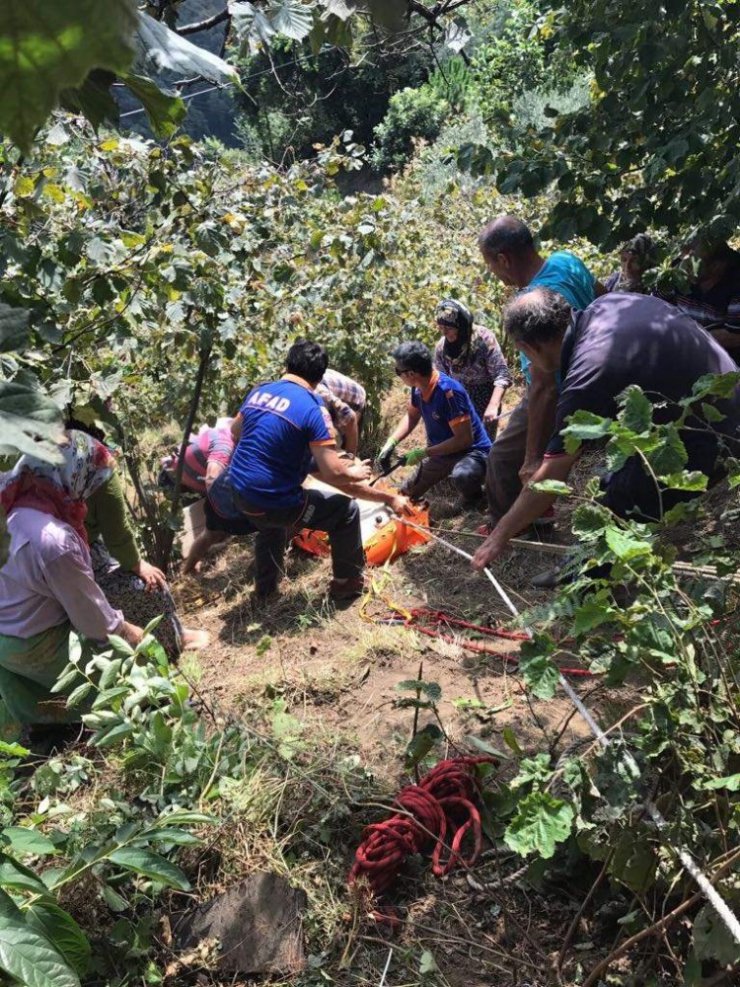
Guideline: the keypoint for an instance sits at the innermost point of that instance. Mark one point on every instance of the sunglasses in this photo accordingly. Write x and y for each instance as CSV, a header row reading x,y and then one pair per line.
x,y
400,372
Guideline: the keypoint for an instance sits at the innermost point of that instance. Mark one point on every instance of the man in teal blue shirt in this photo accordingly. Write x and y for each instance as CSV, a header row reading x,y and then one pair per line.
x,y
510,254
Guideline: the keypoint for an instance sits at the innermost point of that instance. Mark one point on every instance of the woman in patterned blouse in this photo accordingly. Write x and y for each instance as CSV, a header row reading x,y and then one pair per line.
x,y
471,354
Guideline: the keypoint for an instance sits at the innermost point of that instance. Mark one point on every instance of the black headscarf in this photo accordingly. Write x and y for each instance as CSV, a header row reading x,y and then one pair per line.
x,y
455,315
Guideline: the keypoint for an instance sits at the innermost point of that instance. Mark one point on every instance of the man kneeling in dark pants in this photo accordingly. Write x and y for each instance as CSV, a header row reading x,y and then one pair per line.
x,y
458,444
280,426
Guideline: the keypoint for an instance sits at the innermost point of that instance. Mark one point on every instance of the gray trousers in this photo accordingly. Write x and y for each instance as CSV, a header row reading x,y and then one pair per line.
x,y
467,471
505,459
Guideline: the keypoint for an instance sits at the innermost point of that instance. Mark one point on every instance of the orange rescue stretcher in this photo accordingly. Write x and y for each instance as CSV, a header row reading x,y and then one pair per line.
x,y
384,536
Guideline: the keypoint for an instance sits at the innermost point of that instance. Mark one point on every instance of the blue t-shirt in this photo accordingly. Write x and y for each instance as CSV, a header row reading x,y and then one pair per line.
x,y
445,404
566,274
281,421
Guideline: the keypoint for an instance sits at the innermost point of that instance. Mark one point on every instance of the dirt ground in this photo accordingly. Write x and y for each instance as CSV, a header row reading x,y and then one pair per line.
x,y
337,671
341,667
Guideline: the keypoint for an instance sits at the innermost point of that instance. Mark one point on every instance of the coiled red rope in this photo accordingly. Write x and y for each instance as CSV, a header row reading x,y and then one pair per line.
x,y
436,814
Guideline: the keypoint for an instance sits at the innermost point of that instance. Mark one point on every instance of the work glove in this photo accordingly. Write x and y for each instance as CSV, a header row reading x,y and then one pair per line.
x,y
415,456
384,457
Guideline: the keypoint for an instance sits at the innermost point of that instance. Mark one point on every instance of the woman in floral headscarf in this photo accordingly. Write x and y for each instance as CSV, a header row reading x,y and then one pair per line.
x,y
47,587
472,355
636,256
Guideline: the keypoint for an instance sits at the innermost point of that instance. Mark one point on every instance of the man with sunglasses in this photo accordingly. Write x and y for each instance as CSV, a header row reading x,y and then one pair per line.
x,y
457,443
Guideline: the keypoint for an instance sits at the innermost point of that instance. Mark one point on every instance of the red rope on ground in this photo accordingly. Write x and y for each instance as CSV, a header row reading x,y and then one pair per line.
x,y
437,814
438,617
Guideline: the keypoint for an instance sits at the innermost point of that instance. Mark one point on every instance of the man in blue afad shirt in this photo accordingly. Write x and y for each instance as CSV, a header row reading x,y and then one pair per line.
x,y
508,249
458,444
282,427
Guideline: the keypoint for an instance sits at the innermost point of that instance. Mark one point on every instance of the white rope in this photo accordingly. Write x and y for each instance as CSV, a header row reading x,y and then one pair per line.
x,y
711,893
385,969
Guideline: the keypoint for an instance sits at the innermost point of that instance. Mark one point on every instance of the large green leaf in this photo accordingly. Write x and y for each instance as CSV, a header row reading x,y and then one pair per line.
x,y
624,546
93,98
291,19
637,411
158,49
150,865
27,956
22,840
62,931
258,25
589,521
712,939
540,824
252,25
16,876
556,487
165,113
29,422
670,456
584,426
47,47
338,8
13,328
539,672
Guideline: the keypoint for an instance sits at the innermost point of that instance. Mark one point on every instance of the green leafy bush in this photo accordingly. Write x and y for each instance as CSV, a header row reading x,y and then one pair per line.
x,y
413,114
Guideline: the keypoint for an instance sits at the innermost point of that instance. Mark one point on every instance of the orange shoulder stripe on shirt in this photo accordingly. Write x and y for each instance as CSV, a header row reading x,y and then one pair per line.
x,y
323,442
433,381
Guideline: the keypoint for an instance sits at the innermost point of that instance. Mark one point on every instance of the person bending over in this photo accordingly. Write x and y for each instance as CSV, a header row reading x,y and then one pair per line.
x,y
457,443
280,427
207,455
619,340
129,582
345,400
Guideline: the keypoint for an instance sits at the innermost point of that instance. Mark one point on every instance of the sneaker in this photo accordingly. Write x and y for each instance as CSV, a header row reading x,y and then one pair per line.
x,y
349,589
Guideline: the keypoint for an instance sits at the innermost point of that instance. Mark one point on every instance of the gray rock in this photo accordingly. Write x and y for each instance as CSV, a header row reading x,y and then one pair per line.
x,y
258,925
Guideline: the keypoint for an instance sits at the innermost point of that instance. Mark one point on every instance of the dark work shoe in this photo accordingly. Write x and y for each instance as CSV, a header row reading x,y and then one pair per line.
x,y
263,594
546,580
350,589
561,574
477,503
